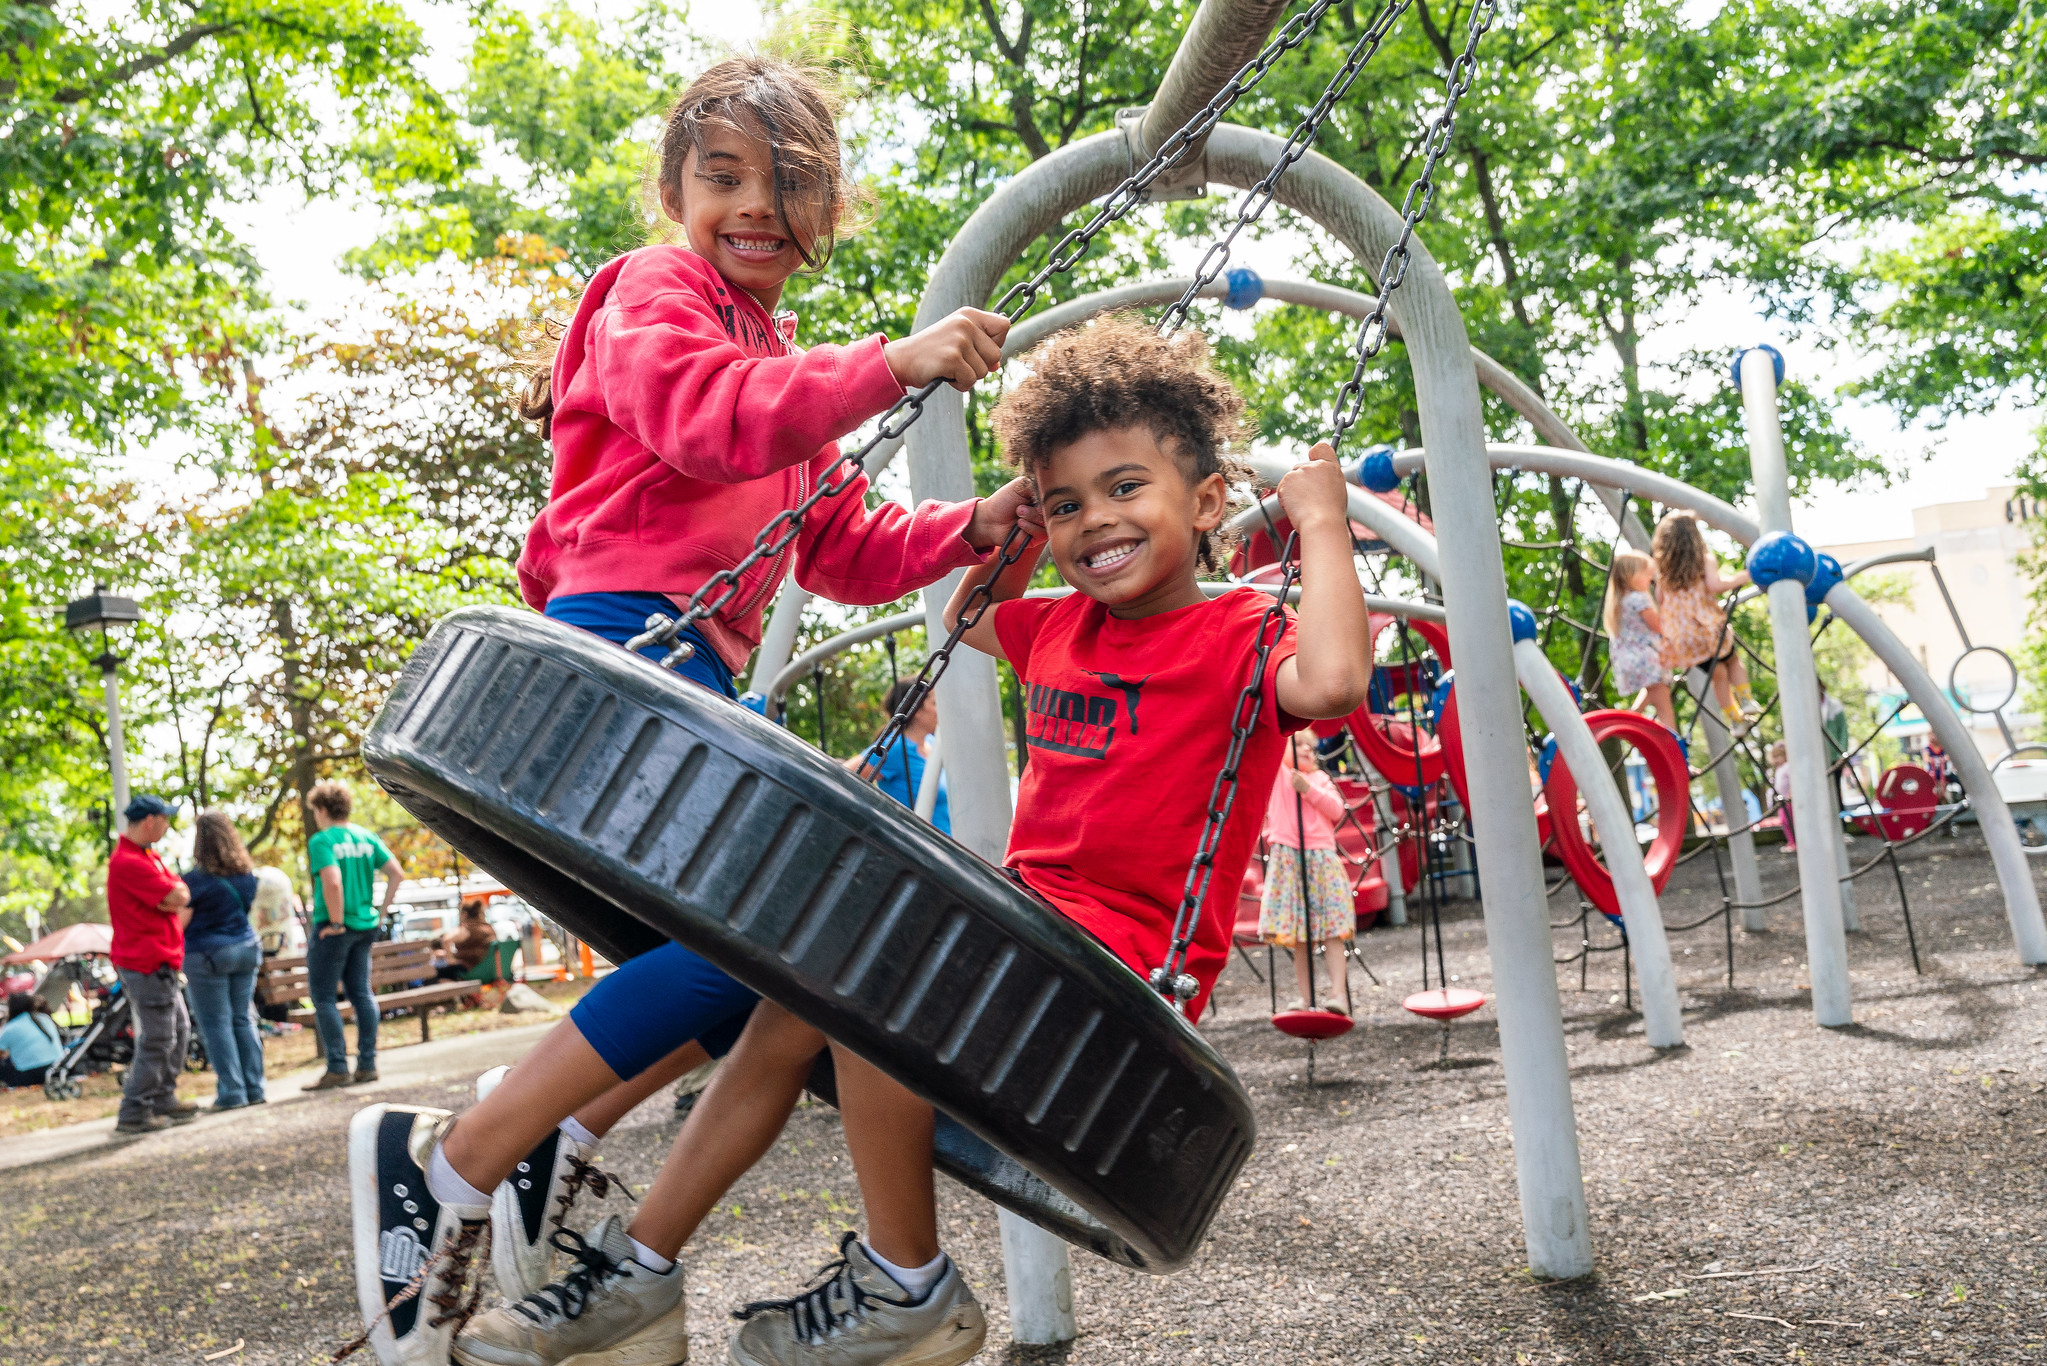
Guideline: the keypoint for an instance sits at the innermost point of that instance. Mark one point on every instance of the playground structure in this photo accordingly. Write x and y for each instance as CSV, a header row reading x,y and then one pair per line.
x,y
1498,647
1457,465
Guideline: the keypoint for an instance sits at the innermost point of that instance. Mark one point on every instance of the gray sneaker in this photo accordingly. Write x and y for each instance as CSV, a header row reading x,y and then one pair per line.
x,y
858,1316
607,1311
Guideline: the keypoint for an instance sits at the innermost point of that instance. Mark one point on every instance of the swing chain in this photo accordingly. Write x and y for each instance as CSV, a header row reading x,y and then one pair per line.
x,y
775,538
971,611
1170,979
1421,194
1260,196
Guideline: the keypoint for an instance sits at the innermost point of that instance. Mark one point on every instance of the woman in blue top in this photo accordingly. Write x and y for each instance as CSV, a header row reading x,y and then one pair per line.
x,y
222,954
901,771
29,1041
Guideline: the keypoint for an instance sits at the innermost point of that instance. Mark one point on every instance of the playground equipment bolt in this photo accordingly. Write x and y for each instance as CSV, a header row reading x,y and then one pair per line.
x,y
1776,362
1778,555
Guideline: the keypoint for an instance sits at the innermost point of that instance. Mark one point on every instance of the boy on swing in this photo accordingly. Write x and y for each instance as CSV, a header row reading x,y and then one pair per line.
x,y
1131,684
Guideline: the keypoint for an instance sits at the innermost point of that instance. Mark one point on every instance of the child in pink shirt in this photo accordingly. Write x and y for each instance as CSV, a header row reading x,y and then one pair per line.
x,y
1300,831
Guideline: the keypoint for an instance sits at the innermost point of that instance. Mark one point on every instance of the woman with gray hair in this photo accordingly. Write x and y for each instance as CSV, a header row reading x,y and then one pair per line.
x,y
222,955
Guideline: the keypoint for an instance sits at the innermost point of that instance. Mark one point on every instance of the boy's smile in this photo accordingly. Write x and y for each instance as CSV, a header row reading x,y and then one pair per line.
x,y
1124,523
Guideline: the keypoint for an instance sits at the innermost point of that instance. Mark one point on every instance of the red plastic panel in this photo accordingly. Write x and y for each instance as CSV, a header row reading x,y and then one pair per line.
x,y
1666,761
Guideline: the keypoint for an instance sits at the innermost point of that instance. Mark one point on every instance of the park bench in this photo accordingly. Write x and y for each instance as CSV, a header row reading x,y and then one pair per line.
x,y
392,965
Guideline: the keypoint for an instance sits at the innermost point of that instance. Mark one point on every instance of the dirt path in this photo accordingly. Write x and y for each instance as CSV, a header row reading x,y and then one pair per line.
x,y
1888,1176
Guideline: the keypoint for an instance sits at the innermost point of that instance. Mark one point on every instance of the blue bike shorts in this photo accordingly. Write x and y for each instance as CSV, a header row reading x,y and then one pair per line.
x,y
654,1004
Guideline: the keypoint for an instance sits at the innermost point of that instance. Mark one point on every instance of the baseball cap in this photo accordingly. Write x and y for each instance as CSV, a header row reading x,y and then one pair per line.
x,y
145,806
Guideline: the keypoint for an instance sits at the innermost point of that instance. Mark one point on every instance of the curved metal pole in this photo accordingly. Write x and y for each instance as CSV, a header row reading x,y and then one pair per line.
x,y
1662,1014
2000,832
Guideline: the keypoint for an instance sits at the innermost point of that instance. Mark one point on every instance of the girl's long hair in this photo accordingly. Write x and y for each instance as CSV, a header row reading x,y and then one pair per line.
x,y
790,104
1679,549
1626,564
217,848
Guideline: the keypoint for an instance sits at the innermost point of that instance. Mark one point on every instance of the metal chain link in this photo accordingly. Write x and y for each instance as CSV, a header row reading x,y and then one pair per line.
x,y
776,537
1350,399
1170,978
1260,196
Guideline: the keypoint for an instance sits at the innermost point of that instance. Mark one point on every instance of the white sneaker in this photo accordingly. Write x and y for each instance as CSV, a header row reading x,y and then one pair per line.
x,y
418,1263
609,1310
859,1316
530,1205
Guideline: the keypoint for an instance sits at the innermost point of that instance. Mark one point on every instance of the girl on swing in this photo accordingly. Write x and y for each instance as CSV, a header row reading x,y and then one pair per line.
x,y
683,419
1300,829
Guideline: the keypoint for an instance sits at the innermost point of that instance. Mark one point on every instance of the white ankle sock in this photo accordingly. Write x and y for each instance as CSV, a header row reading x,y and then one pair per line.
x,y
644,1255
915,1280
446,1184
573,1127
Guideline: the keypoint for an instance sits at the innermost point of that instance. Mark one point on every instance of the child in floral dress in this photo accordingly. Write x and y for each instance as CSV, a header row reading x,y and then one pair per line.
x,y
1634,630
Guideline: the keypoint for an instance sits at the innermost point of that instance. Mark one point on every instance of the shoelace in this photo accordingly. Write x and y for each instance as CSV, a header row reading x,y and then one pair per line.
x,y
458,1253
587,1176
569,1296
811,1314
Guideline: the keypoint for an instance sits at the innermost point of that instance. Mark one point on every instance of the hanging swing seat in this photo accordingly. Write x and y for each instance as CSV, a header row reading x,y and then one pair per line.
x,y
633,807
1315,1024
1443,1004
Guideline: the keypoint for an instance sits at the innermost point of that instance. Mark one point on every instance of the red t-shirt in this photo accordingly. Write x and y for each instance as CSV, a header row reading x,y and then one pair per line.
x,y
145,938
1128,722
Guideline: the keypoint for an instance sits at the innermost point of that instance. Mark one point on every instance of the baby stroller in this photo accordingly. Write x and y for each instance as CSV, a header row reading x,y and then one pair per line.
x,y
108,1040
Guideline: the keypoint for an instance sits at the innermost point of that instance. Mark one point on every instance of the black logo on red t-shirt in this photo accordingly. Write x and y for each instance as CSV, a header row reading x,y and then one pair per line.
x,y
1076,722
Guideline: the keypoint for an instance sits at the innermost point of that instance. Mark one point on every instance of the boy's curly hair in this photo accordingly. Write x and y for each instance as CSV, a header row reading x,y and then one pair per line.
x,y
1117,372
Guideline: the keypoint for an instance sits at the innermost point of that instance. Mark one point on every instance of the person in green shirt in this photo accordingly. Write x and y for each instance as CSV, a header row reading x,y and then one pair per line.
x,y
344,860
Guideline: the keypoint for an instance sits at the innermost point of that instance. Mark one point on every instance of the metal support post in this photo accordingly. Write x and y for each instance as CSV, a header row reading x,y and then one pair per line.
x,y
1798,699
1662,1015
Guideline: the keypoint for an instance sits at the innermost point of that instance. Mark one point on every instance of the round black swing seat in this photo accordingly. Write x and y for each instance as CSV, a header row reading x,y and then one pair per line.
x,y
631,806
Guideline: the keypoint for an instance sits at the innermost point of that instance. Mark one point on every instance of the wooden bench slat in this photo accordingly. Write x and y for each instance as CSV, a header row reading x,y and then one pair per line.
x,y
285,981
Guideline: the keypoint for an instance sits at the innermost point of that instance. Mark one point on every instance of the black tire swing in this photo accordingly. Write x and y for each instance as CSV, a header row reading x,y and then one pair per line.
x,y
630,805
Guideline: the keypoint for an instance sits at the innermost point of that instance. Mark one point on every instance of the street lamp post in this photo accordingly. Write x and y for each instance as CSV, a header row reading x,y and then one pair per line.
x,y
108,612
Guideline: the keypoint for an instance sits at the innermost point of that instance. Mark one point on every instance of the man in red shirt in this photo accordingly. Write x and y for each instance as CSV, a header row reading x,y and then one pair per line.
x,y
148,905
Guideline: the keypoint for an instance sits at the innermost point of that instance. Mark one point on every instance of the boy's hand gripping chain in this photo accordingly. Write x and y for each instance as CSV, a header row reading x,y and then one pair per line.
x,y
1170,978
778,534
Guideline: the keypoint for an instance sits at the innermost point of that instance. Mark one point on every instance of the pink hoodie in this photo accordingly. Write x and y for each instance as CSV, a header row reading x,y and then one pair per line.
x,y
683,422
1321,807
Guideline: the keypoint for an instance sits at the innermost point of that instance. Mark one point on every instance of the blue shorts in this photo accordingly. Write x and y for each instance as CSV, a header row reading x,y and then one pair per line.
x,y
654,1004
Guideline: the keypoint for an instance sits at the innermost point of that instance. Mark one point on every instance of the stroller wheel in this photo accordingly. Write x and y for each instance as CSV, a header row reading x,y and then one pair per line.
x,y
68,1088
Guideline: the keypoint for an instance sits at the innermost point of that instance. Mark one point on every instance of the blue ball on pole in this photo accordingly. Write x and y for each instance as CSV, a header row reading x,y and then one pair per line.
x,y
1521,621
1245,288
1824,580
1780,555
1376,472
1776,362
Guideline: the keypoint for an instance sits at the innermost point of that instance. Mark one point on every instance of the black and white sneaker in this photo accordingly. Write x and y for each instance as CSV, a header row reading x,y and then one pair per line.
x,y
418,1262
531,1205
